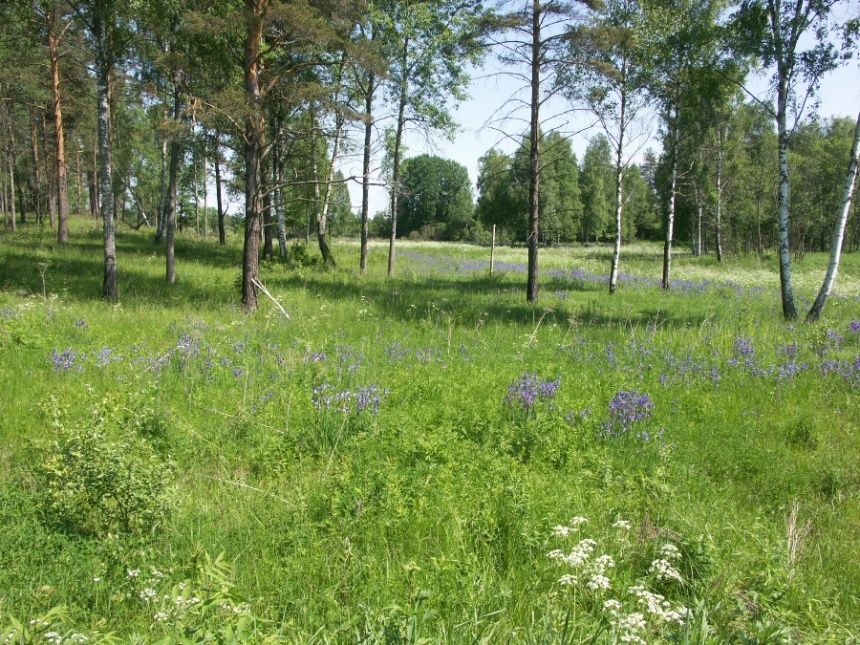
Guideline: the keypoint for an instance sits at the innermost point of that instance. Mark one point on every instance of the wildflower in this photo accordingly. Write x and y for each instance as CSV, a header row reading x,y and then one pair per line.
x,y
623,525
670,551
625,409
603,563
132,573
664,570
568,580
598,582
612,606
743,346
527,390
65,360
148,594
854,327
581,553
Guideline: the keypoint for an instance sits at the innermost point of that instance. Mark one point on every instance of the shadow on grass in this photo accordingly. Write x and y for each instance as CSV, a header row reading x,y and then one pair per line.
x,y
474,298
79,276
207,275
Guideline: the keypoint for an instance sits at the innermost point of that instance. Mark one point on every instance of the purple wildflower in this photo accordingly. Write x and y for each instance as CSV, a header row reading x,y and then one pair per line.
x,y
363,398
527,390
854,327
65,360
625,409
743,346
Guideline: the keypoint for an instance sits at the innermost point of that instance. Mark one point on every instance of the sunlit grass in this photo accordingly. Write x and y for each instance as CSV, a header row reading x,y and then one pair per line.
x,y
433,518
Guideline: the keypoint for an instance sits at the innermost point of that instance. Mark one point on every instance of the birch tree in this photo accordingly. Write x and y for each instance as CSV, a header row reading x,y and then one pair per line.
x,y
613,87
428,46
774,32
838,228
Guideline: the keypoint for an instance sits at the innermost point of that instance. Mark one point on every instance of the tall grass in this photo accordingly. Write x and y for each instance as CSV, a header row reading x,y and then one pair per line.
x,y
369,474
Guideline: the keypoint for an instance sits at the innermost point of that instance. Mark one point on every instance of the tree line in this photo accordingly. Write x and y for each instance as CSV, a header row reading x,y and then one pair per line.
x,y
124,110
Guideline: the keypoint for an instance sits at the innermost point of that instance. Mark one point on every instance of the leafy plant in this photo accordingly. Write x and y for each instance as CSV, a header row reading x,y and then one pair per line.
x,y
99,479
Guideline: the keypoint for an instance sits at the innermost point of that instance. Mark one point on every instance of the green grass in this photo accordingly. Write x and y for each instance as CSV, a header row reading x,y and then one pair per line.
x,y
430,521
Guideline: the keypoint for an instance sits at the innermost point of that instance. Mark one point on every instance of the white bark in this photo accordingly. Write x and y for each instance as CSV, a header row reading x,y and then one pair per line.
x,y
838,228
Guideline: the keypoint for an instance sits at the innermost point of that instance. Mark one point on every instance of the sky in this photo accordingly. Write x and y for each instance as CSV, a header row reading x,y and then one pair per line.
x,y
489,93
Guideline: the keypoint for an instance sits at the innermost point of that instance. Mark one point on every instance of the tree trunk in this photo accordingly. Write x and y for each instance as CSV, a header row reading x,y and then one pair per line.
x,y
173,179
788,309
222,234
395,170
533,239
328,256
110,286
670,216
700,215
196,180
838,229
255,140
10,164
36,179
365,172
80,185
277,178
719,224
205,185
22,201
619,196
268,221
162,204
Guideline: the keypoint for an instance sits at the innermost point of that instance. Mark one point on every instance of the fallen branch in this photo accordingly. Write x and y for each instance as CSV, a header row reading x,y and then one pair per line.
x,y
260,286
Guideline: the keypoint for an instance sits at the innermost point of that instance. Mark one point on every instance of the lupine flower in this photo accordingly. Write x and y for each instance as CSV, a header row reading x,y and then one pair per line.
x,y
348,401
625,409
743,346
65,360
527,390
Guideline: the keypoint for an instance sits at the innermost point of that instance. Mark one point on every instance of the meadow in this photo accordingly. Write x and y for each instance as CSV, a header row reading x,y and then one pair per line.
x,y
428,458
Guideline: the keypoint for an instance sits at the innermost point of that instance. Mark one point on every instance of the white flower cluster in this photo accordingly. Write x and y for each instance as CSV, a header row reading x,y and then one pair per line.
x,y
663,567
657,606
638,609
53,637
564,531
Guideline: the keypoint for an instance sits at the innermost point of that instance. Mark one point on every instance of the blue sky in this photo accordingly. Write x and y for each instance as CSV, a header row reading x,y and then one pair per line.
x,y
840,96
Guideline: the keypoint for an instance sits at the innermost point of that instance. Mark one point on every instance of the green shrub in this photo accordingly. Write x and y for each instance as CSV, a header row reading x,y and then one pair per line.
x,y
99,479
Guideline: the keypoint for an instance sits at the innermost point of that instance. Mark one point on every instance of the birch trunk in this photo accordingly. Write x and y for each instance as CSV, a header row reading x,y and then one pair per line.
x,y
789,310
365,172
670,219
110,286
395,170
838,229
222,233
173,179
619,195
